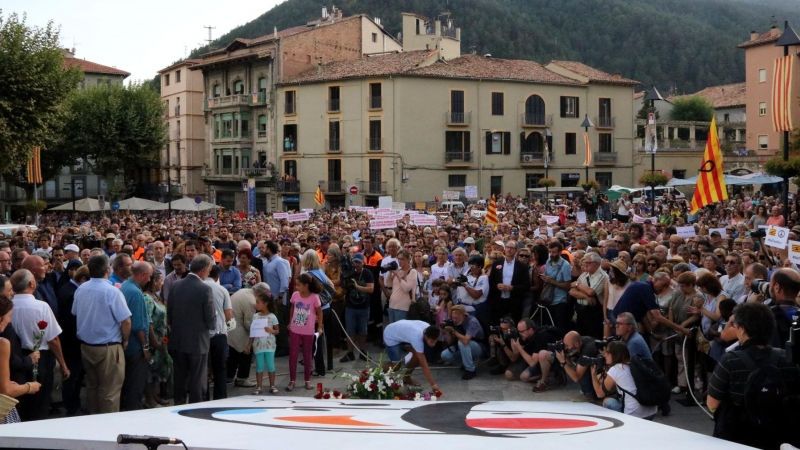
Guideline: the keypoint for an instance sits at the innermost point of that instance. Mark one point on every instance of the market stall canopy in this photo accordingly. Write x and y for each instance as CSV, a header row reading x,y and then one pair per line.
x,y
184,204
138,204
82,205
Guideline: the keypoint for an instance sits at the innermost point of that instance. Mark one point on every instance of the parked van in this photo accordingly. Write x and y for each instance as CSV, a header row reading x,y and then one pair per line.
x,y
637,195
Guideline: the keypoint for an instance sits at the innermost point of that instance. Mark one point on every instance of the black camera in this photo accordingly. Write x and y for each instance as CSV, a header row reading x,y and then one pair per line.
x,y
496,331
589,361
389,267
760,287
461,279
601,344
556,346
447,323
513,334
348,271
759,233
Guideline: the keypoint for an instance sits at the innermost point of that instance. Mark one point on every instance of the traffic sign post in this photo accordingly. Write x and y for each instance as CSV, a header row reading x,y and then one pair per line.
x,y
115,206
353,190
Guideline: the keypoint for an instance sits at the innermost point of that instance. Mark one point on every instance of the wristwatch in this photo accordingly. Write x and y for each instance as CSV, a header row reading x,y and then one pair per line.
x,y
146,347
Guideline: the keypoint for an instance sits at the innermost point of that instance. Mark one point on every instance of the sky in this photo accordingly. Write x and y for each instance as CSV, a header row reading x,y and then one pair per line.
x,y
140,37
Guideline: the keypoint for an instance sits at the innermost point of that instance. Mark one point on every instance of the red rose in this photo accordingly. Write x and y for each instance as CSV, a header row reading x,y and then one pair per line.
x,y
395,386
336,393
344,396
373,386
326,396
364,372
318,396
362,379
438,394
41,324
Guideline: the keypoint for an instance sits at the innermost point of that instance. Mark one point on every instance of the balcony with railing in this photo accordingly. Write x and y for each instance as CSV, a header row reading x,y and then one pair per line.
x,y
289,145
534,159
335,186
228,100
375,103
333,145
606,122
536,120
258,172
605,158
373,187
288,186
459,119
290,108
334,105
458,159
375,144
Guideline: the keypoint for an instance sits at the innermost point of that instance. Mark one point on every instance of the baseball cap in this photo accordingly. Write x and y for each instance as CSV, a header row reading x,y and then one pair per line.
x,y
500,243
358,257
72,248
469,240
324,238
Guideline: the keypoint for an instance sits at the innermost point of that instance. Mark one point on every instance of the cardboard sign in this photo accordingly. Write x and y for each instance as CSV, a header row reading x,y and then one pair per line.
x,y
450,195
307,210
382,224
426,221
385,202
640,219
686,232
300,217
722,232
471,191
794,252
550,219
419,206
257,328
581,216
777,237
431,209
279,216
398,206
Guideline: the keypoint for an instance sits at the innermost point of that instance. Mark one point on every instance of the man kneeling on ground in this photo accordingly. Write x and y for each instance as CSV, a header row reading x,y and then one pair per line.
x,y
574,346
464,341
416,334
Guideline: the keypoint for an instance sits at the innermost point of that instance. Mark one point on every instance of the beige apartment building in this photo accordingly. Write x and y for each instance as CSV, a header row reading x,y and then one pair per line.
x,y
760,55
185,154
241,130
413,124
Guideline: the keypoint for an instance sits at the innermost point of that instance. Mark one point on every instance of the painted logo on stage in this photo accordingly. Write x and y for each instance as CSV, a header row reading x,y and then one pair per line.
x,y
486,419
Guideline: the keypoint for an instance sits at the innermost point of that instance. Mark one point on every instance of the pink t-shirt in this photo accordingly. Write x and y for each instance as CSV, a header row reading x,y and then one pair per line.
x,y
304,320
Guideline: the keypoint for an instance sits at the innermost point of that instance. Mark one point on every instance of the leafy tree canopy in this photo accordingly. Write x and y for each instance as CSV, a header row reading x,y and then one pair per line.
x,y
692,109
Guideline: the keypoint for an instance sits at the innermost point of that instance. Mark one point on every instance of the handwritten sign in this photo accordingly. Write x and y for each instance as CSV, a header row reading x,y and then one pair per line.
x,y
280,216
471,191
640,219
257,328
299,217
450,195
550,219
794,251
382,224
581,216
777,237
686,232
425,220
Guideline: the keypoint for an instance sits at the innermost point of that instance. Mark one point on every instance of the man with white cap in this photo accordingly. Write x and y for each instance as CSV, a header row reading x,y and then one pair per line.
x,y
71,253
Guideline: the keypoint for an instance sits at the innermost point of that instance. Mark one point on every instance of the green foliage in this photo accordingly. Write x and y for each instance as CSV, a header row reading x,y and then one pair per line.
x,y
654,179
590,184
155,83
777,167
547,182
687,43
33,83
115,128
696,109
35,206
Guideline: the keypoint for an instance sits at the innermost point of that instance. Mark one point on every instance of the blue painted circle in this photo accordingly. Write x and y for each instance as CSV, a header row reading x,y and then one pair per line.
x,y
198,200
115,206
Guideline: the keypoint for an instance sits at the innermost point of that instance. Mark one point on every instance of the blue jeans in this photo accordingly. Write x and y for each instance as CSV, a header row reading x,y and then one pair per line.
x,y
586,384
397,314
466,354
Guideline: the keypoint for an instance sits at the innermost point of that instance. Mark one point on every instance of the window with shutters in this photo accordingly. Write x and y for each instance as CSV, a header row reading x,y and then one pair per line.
x,y
498,107
334,143
334,170
457,146
457,107
374,172
570,143
375,139
569,107
334,103
498,143
496,186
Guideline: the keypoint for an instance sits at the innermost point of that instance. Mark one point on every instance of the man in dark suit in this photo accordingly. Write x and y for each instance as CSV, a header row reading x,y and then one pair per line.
x,y
70,344
509,281
191,317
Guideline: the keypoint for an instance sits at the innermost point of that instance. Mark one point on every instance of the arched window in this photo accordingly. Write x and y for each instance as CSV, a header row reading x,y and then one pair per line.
x,y
534,110
262,126
238,87
217,90
262,85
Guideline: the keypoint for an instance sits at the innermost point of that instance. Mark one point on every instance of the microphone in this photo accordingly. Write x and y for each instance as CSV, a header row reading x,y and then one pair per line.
x,y
149,441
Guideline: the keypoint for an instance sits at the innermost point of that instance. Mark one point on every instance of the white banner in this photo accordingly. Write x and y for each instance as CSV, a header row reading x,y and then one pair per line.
x,y
385,202
581,216
537,233
777,237
383,210
424,221
794,252
477,213
686,232
640,219
279,216
382,224
300,217
307,210
363,208
471,191
550,219
451,195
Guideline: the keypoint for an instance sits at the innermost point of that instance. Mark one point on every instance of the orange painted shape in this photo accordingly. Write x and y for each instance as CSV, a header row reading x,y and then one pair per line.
x,y
331,420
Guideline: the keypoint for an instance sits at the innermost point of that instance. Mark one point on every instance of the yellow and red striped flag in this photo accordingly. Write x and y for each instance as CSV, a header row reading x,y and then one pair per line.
x,y
35,167
782,94
711,186
587,161
318,197
491,214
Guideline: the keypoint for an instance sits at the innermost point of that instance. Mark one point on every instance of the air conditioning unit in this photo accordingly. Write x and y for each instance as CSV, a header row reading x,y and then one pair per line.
x,y
527,158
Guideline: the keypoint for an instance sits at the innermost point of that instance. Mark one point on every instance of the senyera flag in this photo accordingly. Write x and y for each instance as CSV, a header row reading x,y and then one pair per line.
x,y
35,167
318,197
711,186
491,214
782,94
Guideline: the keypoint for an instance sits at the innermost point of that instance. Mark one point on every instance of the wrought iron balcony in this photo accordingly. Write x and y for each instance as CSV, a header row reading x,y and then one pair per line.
x,y
536,120
604,122
456,119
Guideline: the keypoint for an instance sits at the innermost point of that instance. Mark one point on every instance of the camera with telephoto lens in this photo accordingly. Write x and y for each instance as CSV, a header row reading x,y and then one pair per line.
x,y
461,279
447,323
760,287
348,271
513,334
556,346
589,361
602,343
759,233
389,267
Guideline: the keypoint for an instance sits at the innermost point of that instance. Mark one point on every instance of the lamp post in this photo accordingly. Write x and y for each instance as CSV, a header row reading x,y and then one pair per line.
x,y
788,38
546,157
653,95
586,125
166,191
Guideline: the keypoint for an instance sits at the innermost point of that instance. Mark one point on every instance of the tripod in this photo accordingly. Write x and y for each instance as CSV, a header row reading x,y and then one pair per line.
x,y
540,311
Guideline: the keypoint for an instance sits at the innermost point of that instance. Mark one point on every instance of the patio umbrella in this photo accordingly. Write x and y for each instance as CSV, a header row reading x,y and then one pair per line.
x,y
82,205
138,204
184,204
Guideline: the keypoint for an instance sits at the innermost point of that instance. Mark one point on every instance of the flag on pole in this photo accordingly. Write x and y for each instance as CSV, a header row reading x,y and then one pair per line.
x,y
711,186
782,94
491,214
318,197
35,167
588,160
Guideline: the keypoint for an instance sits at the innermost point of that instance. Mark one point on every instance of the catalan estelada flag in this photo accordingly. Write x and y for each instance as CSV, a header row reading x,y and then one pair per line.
x,y
711,186
587,161
491,214
782,94
35,167
318,197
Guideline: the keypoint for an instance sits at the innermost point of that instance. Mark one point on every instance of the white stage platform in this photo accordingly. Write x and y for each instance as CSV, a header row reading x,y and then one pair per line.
x,y
259,422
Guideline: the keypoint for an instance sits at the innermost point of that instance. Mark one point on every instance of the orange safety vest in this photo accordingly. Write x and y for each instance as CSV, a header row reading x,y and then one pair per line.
x,y
217,255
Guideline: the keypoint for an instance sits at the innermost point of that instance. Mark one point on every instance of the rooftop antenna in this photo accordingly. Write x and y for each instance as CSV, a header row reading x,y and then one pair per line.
x,y
74,45
209,28
773,22
185,51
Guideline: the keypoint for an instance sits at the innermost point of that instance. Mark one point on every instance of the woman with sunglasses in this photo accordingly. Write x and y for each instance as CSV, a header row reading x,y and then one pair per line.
x,y
640,268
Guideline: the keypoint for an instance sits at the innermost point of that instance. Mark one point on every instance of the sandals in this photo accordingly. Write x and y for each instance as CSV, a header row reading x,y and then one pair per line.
x,y
309,386
273,390
257,391
290,387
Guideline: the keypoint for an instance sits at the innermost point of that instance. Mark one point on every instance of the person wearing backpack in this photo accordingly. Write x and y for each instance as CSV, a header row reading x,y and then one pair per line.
x,y
620,376
754,390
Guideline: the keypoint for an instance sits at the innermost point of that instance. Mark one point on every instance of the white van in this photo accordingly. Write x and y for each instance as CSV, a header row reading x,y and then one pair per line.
x,y
453,204
637,195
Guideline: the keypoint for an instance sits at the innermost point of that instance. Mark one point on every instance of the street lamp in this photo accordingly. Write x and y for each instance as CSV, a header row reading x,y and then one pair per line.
x,y
586,124
546,157
165,190
653,95
788,38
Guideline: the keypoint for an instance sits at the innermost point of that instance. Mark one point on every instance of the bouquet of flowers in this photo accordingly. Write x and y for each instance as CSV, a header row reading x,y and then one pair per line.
x,y
38,337
374,383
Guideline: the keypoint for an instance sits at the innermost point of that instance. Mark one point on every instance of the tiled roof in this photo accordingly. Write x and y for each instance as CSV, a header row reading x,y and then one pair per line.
x,y
638,95
185,62
90,67
372,66
481,67
764,38
721,97
594,75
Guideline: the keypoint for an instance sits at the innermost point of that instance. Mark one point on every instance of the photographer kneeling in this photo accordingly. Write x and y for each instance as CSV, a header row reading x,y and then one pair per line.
x,y
499,345
618,360
523,351
568,353
464,337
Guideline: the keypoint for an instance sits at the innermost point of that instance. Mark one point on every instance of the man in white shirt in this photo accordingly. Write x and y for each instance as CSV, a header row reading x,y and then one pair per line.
x,y
31,318
417,334
588,293
733,282
218,352
392,247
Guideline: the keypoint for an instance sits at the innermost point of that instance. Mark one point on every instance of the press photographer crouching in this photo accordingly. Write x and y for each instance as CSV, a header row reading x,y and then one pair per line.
x,y
518,349
568,354
464,340
619,376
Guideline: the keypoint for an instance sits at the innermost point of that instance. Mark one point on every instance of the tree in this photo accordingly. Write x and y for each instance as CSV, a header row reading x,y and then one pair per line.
x,y
34,84
692,109
115,128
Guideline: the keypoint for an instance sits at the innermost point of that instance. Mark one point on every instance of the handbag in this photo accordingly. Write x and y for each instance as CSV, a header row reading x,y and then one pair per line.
x,y
328,292
6,405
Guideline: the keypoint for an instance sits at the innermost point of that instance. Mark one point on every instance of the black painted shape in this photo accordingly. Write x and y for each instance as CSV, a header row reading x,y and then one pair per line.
x,y
447,418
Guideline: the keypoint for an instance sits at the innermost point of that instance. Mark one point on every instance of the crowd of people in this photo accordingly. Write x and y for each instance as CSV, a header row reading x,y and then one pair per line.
x,y
141,309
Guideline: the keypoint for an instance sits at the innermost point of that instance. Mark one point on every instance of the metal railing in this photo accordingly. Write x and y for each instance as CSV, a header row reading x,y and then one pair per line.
x,y
537,120
336,186
288,186
290,108
457,157
375,144
333,145
605,157
228,100
459,118
262,133
534,157
374,187
604,122
375,102
334,105
257,172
